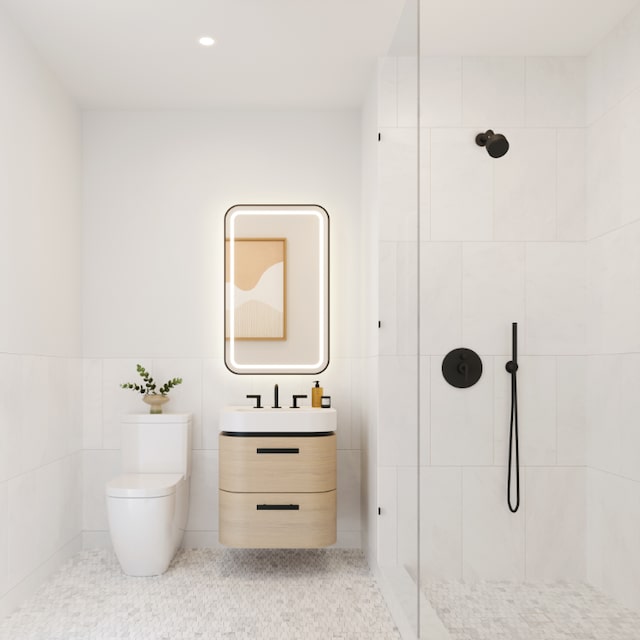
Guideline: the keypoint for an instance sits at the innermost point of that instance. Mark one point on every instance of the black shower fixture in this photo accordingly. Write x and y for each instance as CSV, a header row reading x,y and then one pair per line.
x,y
497,145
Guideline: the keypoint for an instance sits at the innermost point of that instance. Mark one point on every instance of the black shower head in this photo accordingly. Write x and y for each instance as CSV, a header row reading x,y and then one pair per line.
x,y
497,145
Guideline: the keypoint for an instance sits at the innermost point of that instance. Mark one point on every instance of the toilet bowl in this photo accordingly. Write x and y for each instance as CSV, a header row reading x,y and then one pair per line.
x,y
147,506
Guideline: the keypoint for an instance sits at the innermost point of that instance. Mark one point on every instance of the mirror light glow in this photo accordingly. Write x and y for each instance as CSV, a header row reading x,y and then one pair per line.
x,y
233,216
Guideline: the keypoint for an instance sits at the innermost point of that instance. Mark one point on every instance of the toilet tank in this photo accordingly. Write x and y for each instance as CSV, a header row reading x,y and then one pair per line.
x,y
159,443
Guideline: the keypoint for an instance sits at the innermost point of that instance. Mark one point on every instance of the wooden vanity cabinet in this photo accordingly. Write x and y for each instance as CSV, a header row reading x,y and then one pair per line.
x,y
277,491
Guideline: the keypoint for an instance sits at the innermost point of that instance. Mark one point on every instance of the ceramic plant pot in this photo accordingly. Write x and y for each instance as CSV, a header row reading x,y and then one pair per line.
x,y
155,402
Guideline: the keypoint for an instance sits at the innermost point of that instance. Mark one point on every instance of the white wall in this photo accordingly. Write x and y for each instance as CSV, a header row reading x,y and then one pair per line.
x,y
40,338
502,240
613,135
156,187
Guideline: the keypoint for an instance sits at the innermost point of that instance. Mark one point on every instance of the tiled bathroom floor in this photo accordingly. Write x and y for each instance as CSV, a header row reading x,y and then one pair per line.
x,y
530,611
210,594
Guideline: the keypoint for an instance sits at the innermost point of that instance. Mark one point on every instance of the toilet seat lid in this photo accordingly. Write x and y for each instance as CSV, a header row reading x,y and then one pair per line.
x,y
143,485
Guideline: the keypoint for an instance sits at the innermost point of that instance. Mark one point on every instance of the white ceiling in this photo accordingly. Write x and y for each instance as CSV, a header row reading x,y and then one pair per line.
x,y
281,53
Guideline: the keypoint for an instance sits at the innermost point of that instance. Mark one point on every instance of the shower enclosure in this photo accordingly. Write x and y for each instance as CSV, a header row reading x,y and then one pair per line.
x,y
464,244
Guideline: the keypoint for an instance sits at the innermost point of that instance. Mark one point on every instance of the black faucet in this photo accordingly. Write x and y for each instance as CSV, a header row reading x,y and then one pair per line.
x,y
295,401
257,398
275,398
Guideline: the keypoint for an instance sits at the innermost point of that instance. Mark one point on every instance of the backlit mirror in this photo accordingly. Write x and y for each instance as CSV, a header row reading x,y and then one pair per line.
x,y
276,289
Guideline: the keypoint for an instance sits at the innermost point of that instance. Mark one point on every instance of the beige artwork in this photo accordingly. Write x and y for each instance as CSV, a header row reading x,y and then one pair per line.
x,y
259,290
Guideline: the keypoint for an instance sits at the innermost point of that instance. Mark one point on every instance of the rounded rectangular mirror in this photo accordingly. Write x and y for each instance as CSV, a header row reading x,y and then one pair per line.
x,y
276,289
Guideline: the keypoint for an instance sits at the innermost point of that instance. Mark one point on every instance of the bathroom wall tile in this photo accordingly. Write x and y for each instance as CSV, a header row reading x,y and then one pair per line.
x,y
408,514
387,521
388,309
614,66
425,184
336,382
555,298
440,296
92,403
64,391
614,517
493,539
537,392
187,397
555,510
10,415
604,174
525,186
629,142
398,183
116,401
441,523
348,491
606,405
4,520
555,91
397,411
492,294
614,272
35,415
614,443
441,91
23,527
424,410
595,98
407,70
98,467
460,213
595,529
572,416
407,298
219,388
461,419
387,92
572,176
203,500
493,91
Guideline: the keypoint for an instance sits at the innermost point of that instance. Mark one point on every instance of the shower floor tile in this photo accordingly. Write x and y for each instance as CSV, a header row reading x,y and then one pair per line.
x,y
530,611
210,593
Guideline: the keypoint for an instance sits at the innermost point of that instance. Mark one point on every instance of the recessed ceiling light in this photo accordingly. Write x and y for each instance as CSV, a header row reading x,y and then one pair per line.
x,y
207,41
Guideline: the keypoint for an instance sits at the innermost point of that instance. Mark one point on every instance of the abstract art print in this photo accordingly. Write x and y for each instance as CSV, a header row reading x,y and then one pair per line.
x,y
256,288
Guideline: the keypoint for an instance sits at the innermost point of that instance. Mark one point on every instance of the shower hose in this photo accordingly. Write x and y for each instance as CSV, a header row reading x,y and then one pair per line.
x,y
512,368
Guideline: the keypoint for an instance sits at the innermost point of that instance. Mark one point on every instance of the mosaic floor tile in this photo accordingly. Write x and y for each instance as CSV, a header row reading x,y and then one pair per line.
x,y
213,594
531,611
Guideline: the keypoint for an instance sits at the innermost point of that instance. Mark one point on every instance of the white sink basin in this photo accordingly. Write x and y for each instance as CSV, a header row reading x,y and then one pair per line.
x,y
302,420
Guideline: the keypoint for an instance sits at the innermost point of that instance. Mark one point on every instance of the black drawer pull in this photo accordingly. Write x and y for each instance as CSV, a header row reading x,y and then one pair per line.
x,y
277,450
278,507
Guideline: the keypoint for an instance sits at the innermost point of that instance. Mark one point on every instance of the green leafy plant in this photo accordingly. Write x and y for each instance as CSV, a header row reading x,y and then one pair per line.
x,y
149,387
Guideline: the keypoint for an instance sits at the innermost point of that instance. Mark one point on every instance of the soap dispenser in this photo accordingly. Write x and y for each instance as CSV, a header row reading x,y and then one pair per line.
x,y
316,395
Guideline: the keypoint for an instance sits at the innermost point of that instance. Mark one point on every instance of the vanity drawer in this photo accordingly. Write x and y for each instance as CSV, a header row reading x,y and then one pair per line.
x,y
277,463
277,520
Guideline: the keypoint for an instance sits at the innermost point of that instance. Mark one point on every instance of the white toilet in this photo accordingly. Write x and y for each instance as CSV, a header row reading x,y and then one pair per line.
x,y
148,504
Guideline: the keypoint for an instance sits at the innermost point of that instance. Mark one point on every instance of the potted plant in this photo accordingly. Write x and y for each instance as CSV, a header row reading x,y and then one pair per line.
x,y
155,397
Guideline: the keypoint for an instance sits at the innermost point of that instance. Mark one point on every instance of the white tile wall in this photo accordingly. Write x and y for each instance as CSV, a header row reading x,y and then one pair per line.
x,y
461,419
398,158
493,539
461,187
555,91
493,91
493,296
555,513
441,523
525,186
572,159
440,296
556,298
441,92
